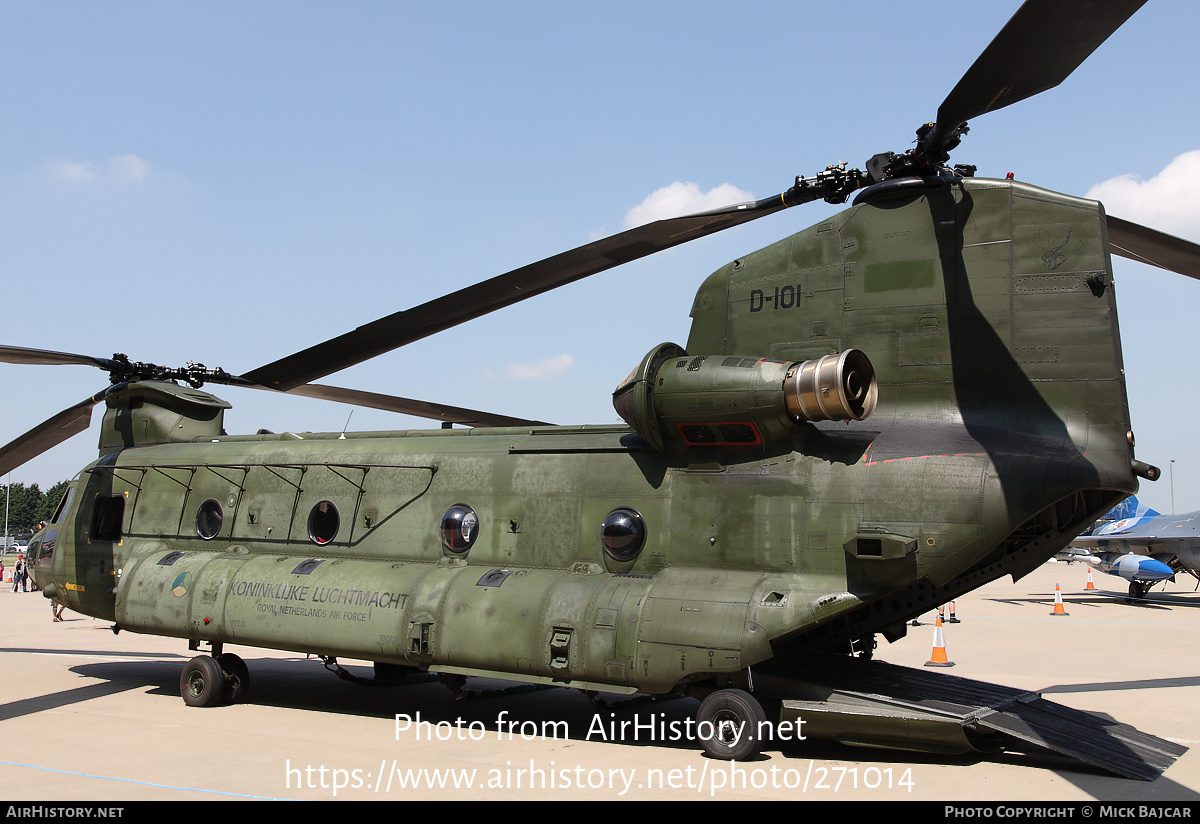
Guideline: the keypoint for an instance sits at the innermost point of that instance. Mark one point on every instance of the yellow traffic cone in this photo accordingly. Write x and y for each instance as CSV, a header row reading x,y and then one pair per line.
x,y
1058,604
1090,584
938,659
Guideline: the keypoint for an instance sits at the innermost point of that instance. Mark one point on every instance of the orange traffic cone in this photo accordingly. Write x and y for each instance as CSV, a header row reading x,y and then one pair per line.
x,y
1058,604
938,659
1090,584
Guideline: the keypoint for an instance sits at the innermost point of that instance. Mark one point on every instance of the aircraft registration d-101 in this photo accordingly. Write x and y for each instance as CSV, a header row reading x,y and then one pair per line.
x,y
869,418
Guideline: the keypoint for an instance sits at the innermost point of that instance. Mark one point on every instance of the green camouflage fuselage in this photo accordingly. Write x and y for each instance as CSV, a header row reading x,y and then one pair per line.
x,y
988,312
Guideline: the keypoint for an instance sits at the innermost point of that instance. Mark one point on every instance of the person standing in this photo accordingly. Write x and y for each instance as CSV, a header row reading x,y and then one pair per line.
x,y
942,612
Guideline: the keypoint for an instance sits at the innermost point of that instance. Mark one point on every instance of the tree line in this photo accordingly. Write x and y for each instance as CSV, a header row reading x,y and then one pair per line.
x,y
27,506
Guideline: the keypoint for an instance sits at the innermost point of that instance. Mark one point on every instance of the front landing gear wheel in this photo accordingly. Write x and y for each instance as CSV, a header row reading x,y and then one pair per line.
x,y
202,683
730,723
237,677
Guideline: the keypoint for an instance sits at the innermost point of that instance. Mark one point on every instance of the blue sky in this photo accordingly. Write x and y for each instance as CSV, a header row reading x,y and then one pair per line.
x,y
232,182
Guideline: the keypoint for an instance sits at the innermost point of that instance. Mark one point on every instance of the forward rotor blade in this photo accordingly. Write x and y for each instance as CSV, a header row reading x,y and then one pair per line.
x,y
48,434
22,354
1159,249
1036,50
408,406
439,314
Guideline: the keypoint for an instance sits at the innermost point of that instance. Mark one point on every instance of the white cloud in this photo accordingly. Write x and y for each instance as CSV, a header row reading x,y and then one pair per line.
x,y
547,368
74,171
1166,202
125,169
129,168
683,199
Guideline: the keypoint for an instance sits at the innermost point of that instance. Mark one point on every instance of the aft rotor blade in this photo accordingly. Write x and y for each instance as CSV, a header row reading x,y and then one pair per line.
x,y
1036,50
22,354
442,313
408,406
1159,249
48,434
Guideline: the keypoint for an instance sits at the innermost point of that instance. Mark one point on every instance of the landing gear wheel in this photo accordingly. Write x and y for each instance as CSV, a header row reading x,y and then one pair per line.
x,y
734,722
1138,590
237,677
202,683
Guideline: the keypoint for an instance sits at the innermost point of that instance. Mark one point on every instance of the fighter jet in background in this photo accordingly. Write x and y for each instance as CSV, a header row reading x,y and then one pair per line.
x,y
1140,545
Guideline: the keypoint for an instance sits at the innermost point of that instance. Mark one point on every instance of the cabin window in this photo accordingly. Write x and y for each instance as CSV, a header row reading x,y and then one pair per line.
x,y
107,517
209,519
623,534
460,528
323,523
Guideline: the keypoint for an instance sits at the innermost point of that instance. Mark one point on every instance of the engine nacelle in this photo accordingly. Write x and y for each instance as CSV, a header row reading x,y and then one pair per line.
x,y
733,401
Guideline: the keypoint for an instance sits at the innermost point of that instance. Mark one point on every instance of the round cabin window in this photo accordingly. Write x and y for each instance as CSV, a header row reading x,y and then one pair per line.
x,y
623,534
460,528
323,523
209,519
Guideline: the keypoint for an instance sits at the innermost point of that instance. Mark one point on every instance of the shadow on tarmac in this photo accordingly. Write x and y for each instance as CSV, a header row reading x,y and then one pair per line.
x,y
503,709
1099,598
1106,686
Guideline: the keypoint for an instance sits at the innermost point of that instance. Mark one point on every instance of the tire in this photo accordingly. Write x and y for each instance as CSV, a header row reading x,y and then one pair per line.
x,y
202,683
729,724
237,678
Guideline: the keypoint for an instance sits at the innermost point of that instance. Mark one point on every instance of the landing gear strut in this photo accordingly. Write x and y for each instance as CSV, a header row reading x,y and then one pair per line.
x,y
237,677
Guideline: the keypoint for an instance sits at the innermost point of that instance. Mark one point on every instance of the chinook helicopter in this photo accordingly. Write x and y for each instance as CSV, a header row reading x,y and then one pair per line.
x,y
871,417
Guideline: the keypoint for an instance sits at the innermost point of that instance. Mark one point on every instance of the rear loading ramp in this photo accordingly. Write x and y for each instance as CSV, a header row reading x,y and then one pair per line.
x,y
871,703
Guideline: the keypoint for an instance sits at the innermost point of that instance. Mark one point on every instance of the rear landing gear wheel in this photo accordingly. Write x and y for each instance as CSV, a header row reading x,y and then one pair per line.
x,y
1138,590
730,723
202,683
237,677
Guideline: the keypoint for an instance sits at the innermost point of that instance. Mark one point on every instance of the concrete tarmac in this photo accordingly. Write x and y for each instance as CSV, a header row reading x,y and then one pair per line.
x,y
86,715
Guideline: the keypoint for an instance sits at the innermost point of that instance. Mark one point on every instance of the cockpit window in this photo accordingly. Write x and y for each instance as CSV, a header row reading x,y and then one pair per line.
x,y
45,553
63,505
